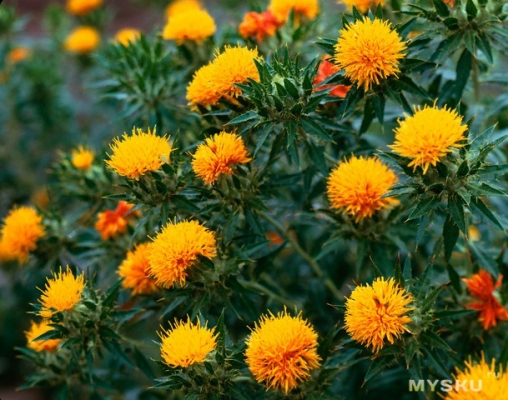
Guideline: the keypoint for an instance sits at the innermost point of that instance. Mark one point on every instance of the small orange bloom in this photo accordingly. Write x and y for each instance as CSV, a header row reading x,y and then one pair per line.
x,y
258,25
325,70
482,287
113,222
451,3
18,54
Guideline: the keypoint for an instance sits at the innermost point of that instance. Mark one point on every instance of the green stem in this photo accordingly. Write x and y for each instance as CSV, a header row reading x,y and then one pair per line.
x,y
263,289
306,256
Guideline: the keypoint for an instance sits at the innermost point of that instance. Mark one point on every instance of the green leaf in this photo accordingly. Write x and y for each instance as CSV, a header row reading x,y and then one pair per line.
x,y
484,260
110,295
436,362
450,236
471,10
432,339
248,116
377,367
441,8
478,207
454,278
463,71
368,116
483,43
452,315
378,102
142,363
291,89
430,299
424,206
456,210
314,128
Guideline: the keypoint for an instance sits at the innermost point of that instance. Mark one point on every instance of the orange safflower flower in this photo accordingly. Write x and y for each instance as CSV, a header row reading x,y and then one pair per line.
x,y
325,70
127,36
451,3
82,158
18,54
282,351
258,25
482,287
135,269
113,222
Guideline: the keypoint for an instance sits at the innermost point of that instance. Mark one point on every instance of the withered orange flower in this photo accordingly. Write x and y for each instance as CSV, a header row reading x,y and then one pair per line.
x,y
113,222
482,287
325,70
258,25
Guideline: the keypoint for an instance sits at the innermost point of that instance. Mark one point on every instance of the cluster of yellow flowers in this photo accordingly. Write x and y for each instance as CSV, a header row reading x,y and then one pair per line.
x,y
281,350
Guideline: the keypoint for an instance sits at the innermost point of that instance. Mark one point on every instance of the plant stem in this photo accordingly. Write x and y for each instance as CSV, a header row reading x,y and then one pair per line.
x,y
306,256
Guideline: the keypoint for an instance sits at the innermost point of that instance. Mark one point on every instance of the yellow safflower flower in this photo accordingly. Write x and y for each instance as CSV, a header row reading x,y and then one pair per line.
x,y
127,36
355,186
361,5
36,330
139,153
375,313
193,24
176,248
217,155
186,343
483,382
21,230
282,8
82,7
61,293
179,6
369,51
282,350
82,40
82,158
428,135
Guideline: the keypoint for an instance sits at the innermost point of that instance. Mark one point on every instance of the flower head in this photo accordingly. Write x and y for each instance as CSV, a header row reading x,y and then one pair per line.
x,y
325,70
217,155
178,6
37,330
139,153
282,350
217,79
135,271
369,51
111,223
258,25
428,135
61,293
84,39
21,230
176,248
356,186
362,5
234,65
486,382
376,312
127,36
482,287
193,24
201,90
82,158
18,54
282,8
186,343
82,7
